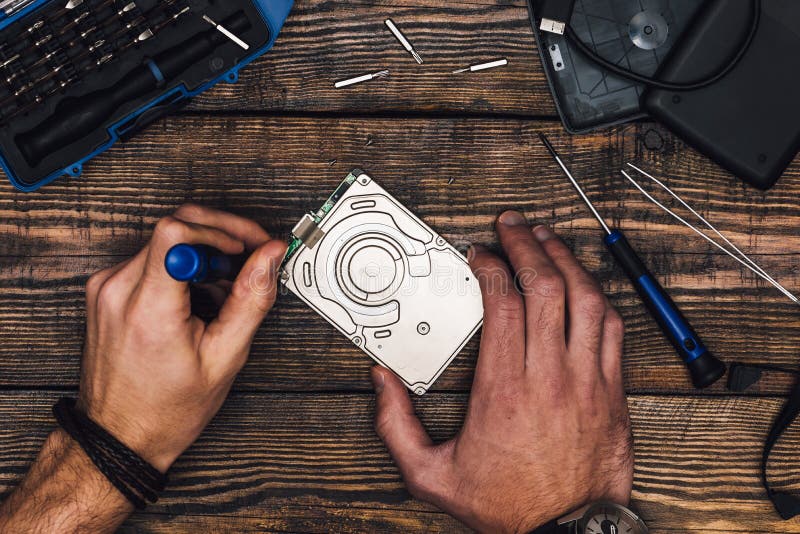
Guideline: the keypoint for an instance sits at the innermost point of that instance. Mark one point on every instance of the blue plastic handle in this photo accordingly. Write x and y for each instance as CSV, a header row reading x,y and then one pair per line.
x,y
671,320
198,264
661,306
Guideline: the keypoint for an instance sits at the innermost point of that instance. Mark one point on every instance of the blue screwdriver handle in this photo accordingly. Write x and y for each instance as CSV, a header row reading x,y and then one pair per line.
x,y
202,264
703,366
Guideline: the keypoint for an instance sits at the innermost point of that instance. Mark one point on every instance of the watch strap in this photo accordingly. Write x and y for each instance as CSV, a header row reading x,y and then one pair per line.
x,y
553,527
741,377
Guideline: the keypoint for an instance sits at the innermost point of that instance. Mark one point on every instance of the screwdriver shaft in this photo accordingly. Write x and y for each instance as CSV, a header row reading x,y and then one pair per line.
x,y
575,183
703,366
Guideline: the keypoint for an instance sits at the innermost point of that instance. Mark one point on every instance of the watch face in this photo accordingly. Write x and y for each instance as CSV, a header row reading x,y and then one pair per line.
x,y
611,519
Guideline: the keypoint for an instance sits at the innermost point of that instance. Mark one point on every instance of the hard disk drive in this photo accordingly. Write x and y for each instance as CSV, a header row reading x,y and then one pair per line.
x,y
385,280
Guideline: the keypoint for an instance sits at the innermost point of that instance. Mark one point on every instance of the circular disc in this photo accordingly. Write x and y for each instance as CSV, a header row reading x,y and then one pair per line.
x,y
372,270
648,30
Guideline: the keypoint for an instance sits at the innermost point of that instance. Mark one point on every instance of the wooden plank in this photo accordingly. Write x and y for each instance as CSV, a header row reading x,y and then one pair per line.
x,y
274,169
42,328
326,41
312,463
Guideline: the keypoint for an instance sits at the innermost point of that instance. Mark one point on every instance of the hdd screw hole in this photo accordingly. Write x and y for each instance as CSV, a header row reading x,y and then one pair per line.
x,y
424,328
357,341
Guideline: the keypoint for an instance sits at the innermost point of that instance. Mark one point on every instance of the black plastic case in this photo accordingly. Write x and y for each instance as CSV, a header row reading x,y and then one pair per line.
x,y
749,122
118,82
586,96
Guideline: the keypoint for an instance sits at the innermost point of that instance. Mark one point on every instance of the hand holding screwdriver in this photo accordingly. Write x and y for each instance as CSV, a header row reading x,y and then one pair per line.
x,y
200,264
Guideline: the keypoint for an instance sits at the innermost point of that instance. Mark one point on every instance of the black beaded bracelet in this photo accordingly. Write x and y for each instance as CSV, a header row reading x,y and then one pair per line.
x,y
136,479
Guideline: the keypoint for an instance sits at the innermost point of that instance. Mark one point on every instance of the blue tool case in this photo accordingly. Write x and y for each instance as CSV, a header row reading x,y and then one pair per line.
x,y
80,75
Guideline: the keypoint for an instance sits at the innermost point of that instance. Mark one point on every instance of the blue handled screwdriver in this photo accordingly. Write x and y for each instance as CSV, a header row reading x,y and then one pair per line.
x,y
704,367
200,264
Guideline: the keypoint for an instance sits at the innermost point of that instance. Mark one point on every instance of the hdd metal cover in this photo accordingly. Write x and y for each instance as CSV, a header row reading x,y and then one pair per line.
x,y
384,279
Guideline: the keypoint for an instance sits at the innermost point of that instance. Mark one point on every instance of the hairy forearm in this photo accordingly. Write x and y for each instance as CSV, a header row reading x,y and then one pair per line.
x,y
63,492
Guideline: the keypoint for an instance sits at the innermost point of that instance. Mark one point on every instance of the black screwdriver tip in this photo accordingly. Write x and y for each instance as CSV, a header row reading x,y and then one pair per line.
x,y
547,144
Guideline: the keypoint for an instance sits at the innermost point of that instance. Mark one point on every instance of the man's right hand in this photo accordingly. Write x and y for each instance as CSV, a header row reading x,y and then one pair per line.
x,y
547,428
153,374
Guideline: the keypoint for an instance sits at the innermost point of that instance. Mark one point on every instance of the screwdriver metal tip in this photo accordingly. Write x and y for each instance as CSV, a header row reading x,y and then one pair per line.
x,y
403,41
575,183
227,33
483,66
548,145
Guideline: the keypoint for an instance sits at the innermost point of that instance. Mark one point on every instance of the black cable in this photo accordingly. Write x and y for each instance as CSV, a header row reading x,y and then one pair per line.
x,y
584,49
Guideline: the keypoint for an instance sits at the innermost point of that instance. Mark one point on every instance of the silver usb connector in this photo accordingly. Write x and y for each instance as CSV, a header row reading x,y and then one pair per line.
x,y
553,26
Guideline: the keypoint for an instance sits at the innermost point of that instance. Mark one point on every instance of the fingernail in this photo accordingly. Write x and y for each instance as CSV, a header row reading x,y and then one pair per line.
x,y
377,380
543,233
473,251
512,218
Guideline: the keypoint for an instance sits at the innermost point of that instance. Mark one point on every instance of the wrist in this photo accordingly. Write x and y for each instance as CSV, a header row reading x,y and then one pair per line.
x,y
63,488
68,456
135,478
136,437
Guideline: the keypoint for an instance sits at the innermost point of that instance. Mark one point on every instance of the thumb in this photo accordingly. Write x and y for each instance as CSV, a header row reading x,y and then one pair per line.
x,y
251,298
402,433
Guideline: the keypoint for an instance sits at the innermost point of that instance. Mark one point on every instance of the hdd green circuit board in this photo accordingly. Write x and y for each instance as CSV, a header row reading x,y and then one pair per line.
x,y
295,242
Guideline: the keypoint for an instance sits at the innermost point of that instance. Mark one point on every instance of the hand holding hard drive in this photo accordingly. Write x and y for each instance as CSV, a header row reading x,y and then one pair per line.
x,y
547,429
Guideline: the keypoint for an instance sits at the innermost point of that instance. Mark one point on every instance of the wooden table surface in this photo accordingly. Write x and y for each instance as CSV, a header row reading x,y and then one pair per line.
x,y
293,450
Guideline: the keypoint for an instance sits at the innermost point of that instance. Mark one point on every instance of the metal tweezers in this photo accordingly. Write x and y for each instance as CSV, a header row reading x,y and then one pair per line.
x,y
728,248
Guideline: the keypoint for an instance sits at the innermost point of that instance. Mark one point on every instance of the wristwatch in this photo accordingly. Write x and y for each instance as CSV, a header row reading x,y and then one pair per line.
x,y
597,518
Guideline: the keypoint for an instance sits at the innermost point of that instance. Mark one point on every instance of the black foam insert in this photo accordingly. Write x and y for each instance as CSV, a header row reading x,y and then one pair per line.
x,y
72,45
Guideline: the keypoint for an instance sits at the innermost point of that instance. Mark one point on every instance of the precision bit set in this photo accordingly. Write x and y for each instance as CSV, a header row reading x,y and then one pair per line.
x,y
76,76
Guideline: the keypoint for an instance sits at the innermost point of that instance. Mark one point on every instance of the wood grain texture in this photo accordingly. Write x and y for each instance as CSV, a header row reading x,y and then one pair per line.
x,y
274,169
293,450
311,463
42,314
325,41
